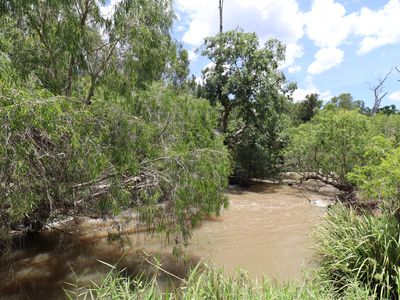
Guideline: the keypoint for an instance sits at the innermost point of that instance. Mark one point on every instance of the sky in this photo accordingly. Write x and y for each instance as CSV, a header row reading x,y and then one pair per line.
x,y
333,46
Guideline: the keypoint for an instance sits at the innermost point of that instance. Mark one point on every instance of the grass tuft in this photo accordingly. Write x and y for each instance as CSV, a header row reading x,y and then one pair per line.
x,y
360,247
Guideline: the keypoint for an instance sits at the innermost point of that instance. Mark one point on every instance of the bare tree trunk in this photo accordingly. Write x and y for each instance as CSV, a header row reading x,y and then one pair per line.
x,y
219,92
379,92
221,9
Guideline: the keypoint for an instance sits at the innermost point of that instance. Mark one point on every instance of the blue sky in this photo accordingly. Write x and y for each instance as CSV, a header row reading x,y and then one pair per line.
x,y
333,46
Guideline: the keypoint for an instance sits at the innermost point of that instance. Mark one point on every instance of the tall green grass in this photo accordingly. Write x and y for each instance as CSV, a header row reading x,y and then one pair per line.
x,y
360,247
358,253
213,284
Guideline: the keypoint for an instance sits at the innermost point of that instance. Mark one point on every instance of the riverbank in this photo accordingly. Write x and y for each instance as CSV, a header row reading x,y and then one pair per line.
x,y
214,284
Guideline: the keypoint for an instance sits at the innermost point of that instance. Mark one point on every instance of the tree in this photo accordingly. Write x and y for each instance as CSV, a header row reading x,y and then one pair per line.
x,y
155,152
252,93
309,107
388,110
379,179
346,101
70,47
147,146
379,91
330,146
221,11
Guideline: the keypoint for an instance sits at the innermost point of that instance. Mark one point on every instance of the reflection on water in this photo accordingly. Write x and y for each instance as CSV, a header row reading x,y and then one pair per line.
x,y
265,231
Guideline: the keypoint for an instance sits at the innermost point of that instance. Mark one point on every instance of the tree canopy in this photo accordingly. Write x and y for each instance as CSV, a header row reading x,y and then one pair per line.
x,y
71,48
245,81
96,118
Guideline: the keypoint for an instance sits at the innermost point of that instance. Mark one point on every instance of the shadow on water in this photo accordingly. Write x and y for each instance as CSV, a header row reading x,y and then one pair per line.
x,y
49,262
255,187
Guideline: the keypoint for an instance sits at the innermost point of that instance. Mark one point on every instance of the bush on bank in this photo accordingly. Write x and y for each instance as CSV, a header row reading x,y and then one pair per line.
x,y
360,247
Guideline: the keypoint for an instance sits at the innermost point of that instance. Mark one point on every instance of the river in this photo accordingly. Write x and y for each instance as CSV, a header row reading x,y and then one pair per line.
x,y
265,231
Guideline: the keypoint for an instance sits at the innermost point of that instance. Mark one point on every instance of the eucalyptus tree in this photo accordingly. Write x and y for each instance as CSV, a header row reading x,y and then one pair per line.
x,y
155,152
71,46
138,145
245,81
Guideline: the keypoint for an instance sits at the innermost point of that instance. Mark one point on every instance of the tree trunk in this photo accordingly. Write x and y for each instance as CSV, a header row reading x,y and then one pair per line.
x,y
68,87
221,9
342,186
90,94
225,117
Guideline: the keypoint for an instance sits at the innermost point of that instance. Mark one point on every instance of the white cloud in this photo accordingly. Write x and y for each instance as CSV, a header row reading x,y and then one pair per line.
x,y
325,59
378,28
300,94
293,51
395,96
180,28
268,18
294,69
192,55
199,80
108,10
327,24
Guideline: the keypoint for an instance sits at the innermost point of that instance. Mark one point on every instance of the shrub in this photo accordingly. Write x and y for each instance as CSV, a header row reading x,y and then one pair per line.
x,y
379,179
364,248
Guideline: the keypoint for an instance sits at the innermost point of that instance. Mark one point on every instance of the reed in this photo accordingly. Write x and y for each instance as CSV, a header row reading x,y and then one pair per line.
x,y
360,247
211,283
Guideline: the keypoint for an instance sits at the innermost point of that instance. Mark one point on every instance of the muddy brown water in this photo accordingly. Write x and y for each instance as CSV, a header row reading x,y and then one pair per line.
x,y
265,231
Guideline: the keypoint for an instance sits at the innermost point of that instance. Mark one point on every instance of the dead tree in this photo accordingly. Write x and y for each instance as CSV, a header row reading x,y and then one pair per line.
x,y
221,9
379,91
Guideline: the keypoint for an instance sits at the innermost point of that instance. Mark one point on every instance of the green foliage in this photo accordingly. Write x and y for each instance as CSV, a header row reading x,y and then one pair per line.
x,y
252,92
73,49
156,152
332,144
214,284
123,146
347,102
309,107
380,178
388,110
388,126
211,284
304,111
360,247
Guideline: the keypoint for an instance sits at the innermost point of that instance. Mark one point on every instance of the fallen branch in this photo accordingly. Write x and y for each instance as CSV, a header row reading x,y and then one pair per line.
x,y
344,187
